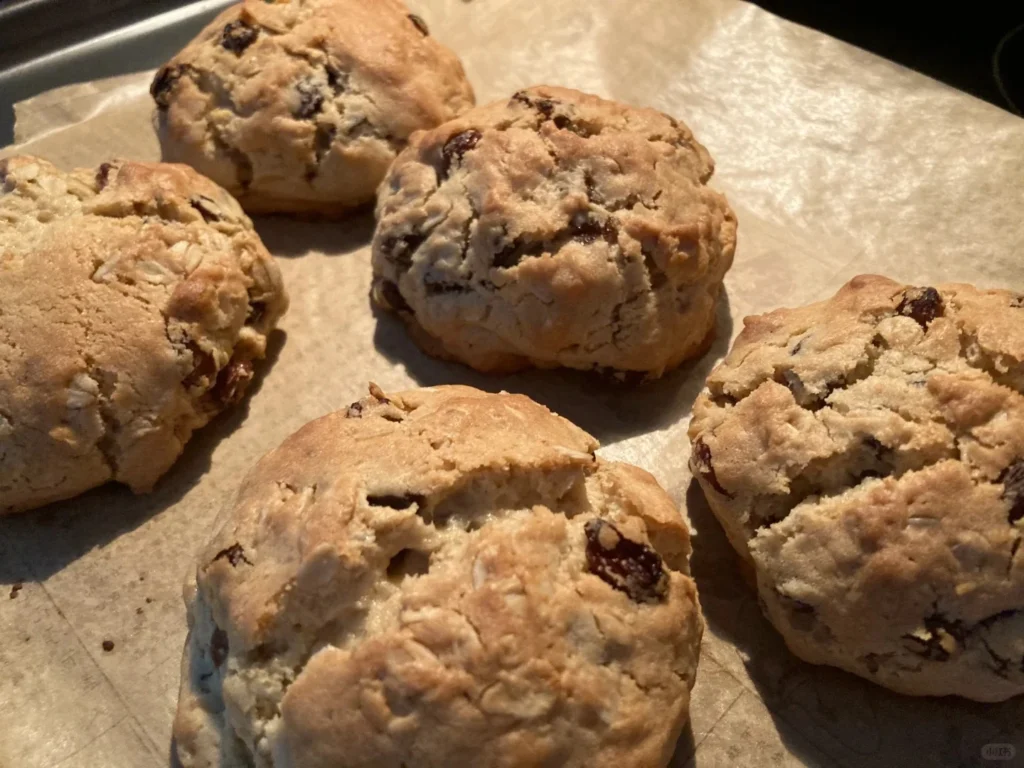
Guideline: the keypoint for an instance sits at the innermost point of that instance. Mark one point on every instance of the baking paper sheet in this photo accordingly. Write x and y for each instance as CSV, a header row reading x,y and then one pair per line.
x,y
837,163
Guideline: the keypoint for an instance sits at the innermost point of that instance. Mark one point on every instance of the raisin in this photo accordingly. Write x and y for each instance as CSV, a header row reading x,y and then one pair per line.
x,y
1017,301
626,565
399,250
395,502
516,251
322,141
15,589
629,202
1012,479
387,293
566,124
219,646
520,97
337,79
108,645
163,83
355,411
208,214
941,638
457,146
545,106
921,304
237,36
877,447
702,463
234,554
204,367
103,175
232,382
311,99
588,230
420,24
655,273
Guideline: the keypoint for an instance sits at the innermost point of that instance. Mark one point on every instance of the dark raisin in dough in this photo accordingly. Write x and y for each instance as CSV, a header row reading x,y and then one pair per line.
x,y
516,251
203,366
311,99
626,565
1013,489
237,36
457,146
162,85
921,304
589,230
234,554
399,250
232,382
103,175
702,460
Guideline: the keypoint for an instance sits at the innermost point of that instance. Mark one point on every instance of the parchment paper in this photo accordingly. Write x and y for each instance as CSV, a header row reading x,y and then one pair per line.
x,y
836,162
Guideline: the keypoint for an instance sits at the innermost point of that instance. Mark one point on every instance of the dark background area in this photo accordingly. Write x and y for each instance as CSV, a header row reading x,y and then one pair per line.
x,y
955,42
976,46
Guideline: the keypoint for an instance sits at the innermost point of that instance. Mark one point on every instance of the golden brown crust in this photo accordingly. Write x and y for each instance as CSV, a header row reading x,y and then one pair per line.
x,y
433,578
866,455
299,107
555,228
133,300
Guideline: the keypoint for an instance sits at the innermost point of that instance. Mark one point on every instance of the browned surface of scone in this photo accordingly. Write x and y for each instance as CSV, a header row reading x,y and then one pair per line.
x,y
134,300
555,228
441,577
866,455
301,106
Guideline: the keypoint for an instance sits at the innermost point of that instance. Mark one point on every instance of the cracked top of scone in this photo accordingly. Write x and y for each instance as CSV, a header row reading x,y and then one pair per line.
x,y
555,228
301,105
134,299
441,577
867,454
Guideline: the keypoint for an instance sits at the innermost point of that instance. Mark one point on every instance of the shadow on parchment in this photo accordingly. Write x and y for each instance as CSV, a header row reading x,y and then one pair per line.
x,y
609,411
851,720
685,747
288,236
41,542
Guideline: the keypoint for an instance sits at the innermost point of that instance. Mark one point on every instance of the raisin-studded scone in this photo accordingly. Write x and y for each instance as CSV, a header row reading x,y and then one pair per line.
x,y
866,455
441,577
301,105
134,300
555,229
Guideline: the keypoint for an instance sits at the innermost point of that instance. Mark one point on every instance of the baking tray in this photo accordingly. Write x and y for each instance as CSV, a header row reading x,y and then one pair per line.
x,y
49,43
837,162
